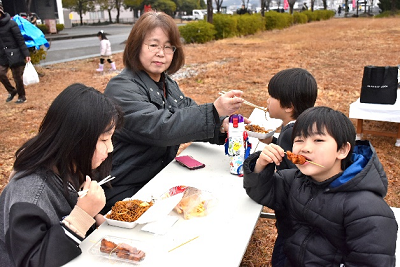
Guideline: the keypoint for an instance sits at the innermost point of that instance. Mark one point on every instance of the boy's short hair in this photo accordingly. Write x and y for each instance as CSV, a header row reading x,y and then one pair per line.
x,y
294,87
336,124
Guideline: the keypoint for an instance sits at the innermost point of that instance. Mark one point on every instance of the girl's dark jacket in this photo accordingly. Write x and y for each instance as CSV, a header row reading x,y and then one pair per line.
x,y
343,220
31,210
11,37
154,127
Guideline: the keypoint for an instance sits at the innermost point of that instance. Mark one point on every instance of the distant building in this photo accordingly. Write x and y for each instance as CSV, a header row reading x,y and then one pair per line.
x,y
45,9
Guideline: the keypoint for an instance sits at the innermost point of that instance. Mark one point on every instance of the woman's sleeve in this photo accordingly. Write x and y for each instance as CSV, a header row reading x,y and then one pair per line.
x,y
147,122
32,240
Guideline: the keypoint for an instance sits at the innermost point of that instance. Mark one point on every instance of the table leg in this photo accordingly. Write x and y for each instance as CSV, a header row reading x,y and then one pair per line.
x,y
360,129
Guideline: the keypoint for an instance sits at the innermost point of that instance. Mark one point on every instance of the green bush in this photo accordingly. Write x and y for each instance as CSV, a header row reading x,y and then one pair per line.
x,y
324,14
43,28
249,24
37,55
386,14
275,20
312,16
59,27
225,26
299,18
198,32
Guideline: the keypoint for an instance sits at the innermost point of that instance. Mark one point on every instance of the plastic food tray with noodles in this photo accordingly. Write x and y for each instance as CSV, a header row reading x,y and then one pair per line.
x,y
259,132
126,213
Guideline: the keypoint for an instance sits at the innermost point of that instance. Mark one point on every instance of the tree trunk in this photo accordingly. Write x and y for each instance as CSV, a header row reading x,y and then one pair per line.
x,y
209,11
109,15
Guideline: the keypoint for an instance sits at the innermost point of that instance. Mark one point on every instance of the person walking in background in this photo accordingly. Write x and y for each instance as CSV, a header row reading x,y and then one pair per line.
x,y
339,11
158,116
105,52
11,37
42,218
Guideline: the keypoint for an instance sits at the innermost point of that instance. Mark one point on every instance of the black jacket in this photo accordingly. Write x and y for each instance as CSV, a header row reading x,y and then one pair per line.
x,y
31,209
11,37
154,127
343,220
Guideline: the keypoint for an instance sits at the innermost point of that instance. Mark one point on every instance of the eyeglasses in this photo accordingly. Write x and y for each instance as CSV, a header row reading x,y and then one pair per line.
x,y
168,49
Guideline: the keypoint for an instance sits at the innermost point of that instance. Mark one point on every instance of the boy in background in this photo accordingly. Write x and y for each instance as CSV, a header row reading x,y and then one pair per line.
x,y
336,212
291,92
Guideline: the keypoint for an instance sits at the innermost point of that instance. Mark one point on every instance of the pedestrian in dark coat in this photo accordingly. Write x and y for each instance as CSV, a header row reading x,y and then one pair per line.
x,y
336,208
158,116
11,37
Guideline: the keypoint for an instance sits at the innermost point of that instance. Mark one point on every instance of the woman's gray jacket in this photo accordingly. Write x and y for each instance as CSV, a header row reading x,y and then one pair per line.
x,y
154,127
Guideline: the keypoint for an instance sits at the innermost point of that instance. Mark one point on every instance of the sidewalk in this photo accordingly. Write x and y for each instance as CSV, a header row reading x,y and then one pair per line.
x,y
88,31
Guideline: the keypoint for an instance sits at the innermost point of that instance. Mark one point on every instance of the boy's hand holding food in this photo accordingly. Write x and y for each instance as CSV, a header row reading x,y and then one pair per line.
x,y
270,154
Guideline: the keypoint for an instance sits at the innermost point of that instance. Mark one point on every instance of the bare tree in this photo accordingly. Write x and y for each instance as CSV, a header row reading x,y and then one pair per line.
x,y
218,3
291,5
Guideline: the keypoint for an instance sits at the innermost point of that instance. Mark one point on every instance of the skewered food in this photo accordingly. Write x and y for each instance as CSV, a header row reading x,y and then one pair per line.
x,y
296,159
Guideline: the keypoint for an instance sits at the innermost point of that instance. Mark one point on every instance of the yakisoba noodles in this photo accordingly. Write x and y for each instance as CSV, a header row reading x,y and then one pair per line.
x,y
129,210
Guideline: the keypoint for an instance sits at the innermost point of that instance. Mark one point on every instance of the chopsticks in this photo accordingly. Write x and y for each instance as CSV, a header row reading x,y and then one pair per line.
x,y
248,103
105,180
183,244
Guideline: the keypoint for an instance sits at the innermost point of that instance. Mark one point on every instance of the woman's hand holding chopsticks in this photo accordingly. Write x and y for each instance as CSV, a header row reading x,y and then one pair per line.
x,y
229,102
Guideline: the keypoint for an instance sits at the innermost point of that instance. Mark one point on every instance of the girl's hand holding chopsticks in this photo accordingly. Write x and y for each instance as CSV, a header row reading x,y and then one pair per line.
x,y
94,199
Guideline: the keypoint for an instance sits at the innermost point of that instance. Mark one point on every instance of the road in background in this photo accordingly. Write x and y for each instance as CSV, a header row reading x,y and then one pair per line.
x,y
81,42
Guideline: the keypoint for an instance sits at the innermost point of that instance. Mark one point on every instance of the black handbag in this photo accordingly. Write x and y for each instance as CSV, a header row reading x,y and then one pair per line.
x,y
379,85
14,56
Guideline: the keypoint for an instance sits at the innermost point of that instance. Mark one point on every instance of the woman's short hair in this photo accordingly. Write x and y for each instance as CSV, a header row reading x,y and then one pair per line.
x,y
68,135
295,88
145,24
316,120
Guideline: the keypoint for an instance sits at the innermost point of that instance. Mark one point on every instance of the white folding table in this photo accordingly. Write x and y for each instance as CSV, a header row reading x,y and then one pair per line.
x,y
223,235
376,112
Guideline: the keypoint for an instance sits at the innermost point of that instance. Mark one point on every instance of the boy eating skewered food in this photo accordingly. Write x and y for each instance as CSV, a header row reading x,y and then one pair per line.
x,y
333,211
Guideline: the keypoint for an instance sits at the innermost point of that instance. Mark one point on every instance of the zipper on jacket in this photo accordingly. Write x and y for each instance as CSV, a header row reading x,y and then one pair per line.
x,y
300,258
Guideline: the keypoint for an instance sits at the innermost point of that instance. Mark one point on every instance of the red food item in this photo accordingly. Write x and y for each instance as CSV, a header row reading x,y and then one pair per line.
x,y
107,246
122,250
296,159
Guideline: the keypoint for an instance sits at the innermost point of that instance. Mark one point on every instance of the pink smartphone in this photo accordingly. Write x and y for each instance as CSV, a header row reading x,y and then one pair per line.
x,y
189,162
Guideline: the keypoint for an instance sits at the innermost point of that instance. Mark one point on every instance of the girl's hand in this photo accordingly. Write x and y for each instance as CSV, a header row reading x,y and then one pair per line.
x,y
95,200
228,103
271,154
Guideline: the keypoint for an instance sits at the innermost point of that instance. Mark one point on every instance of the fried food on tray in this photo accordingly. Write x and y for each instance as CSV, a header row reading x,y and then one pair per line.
x,y
296,159
192,204
255,128
122,250
128,210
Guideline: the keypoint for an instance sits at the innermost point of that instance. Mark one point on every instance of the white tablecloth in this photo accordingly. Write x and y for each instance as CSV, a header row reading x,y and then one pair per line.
x,y
376,112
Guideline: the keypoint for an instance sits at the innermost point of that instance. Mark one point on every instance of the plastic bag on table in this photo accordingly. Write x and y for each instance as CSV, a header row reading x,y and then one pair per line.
x,y
195,203
30,75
